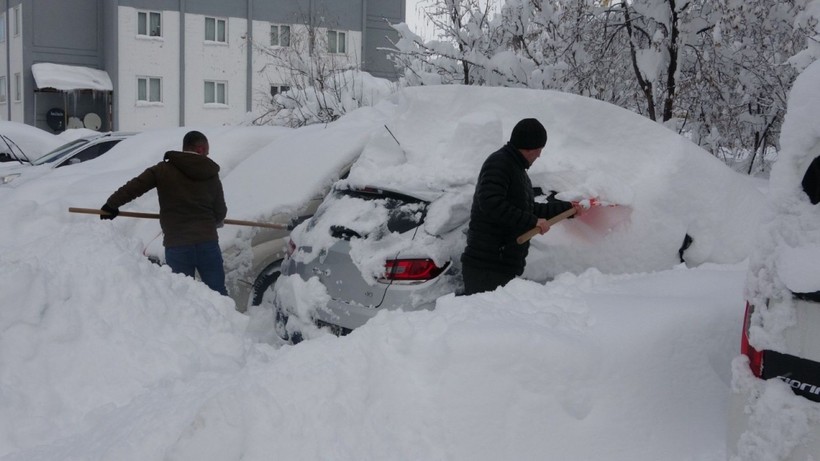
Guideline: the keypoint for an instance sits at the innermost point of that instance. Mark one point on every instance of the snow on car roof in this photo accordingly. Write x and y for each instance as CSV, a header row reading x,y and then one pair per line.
x,y
436,139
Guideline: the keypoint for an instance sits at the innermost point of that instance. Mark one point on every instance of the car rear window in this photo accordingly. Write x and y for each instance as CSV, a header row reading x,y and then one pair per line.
x,y
404,212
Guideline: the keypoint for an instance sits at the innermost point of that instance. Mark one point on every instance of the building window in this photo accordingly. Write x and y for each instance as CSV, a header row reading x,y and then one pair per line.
x,y
277,89
18,87
336,42
16,18
215,93
3,89
215,30
149,89
3,27
149,23
279,35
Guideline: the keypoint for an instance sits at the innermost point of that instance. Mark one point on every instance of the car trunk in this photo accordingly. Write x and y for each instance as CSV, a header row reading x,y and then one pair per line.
x,y
335,267
342,279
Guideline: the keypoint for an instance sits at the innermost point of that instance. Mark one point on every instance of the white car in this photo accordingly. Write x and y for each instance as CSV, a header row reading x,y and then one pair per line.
x,y
775,403
19,143
71,153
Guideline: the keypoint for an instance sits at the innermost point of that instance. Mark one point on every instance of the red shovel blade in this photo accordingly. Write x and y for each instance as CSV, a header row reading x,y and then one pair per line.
x,y
594,223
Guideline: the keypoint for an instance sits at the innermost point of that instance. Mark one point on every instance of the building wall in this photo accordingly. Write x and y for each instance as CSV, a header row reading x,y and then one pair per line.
x,y
5,106
16,64
215,62
102,34
111,57
149,57
378,16
55,38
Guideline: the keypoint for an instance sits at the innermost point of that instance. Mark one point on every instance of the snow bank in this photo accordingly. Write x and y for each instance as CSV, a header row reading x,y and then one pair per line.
x,y
104,355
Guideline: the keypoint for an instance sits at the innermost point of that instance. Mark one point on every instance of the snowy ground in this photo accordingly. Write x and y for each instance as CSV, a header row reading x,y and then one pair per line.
x,y
105,356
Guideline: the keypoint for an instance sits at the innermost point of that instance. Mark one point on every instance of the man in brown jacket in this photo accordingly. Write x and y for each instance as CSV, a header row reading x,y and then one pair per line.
x,y
191,208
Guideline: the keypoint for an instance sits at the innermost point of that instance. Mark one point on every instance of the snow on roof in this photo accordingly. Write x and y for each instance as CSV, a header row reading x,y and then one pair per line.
x,y
63,77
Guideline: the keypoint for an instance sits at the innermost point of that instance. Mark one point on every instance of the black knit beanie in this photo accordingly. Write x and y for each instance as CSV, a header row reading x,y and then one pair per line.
x,y
529,133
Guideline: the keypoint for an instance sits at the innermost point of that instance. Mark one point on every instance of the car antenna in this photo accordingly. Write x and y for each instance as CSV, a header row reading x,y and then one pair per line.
x,y
391,134
397,142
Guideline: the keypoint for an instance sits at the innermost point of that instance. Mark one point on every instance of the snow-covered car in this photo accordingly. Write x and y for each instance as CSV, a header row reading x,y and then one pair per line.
x,y
254,262
390,236
71,153
19,143
775,402
280,181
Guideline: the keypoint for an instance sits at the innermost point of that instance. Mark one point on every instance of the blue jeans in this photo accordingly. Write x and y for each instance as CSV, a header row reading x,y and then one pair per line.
x,y
205,258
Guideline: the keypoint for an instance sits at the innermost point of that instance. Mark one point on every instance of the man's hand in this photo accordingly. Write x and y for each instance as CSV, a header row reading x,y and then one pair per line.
x,y
111,212
542,226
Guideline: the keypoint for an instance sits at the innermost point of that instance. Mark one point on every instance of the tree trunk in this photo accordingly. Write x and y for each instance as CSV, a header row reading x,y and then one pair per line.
x,y
646,86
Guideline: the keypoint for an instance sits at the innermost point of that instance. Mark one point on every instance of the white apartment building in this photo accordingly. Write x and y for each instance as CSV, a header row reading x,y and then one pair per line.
x,y
140,64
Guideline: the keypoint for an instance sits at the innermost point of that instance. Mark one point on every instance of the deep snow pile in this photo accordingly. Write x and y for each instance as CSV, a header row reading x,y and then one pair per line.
x,y
664,185
33,142
786,258
104,355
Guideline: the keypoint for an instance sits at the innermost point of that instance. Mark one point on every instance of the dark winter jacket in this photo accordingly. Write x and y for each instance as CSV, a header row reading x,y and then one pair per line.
x,y
504,208
191,201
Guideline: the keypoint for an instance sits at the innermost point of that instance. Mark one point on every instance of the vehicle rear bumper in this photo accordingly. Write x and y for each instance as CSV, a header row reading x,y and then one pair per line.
x,y
763,423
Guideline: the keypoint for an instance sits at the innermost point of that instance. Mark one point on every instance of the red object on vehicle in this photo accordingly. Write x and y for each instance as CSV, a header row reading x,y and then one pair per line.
x,y
411,269
755,356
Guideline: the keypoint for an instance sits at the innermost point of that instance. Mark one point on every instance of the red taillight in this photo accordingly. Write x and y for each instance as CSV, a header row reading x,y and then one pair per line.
x,y
411,269
755,356
291,248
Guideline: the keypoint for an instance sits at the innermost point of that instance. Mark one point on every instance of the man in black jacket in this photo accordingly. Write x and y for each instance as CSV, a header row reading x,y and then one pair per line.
x,y
503,208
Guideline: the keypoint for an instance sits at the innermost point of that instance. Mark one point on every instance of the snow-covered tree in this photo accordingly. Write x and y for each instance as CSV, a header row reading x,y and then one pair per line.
x,y
320,85
739,83
718,70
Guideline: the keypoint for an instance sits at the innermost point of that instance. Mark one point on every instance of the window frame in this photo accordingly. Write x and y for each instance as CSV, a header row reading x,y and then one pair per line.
x,y
17,19
216,85
280,34
217,22
18,87
149,33
148,90
2,27
3,94
337,34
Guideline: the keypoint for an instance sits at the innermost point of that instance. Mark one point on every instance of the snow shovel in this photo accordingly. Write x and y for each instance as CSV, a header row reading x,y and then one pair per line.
x,y
598,219
132,214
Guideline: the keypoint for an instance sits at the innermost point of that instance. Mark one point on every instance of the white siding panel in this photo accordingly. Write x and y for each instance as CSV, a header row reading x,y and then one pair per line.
x,y
148,57
219,62
15,67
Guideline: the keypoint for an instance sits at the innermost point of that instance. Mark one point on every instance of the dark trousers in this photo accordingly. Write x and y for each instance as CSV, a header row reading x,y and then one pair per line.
x,y
480,280
205,258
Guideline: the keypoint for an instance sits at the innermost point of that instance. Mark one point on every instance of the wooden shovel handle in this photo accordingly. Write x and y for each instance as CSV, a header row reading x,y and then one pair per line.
x,y
133,214
526,236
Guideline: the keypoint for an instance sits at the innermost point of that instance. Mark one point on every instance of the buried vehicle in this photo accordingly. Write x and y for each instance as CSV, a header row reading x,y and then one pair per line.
x,y
73,152
282,181
20,143
775,402
390,236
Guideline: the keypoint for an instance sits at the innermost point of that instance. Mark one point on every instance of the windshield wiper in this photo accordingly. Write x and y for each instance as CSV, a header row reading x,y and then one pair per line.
x,y
9,143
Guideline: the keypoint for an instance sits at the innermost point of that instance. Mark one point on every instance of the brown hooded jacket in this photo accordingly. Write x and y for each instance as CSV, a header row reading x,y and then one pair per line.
x,y
191,200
